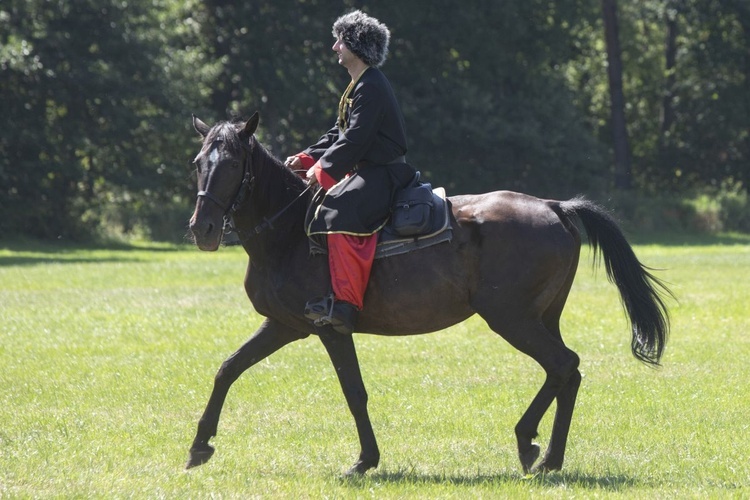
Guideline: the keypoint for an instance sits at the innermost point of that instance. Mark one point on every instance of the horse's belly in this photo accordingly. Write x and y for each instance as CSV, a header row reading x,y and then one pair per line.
x,y
421,292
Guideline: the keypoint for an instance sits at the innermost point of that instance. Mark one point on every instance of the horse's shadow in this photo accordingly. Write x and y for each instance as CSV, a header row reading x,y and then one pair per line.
x,y
614,482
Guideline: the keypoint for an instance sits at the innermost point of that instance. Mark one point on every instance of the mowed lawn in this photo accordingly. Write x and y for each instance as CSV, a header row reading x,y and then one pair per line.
x,y
107,358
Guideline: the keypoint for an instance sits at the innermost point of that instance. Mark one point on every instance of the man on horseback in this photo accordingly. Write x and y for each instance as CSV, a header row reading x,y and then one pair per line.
x,y
360,163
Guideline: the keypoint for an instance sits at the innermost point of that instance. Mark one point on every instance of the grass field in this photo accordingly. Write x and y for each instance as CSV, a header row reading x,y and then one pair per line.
x,y
107,359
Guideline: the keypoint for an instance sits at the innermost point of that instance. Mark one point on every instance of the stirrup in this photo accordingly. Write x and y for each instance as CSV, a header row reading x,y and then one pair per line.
x,y
325,311
320,310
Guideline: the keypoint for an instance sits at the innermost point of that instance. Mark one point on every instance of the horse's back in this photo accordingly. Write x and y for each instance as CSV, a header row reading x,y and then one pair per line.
x,y
504,207
506,247
506,217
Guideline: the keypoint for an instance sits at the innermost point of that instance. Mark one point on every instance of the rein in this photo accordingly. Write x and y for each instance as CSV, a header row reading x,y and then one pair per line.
x,y
268,223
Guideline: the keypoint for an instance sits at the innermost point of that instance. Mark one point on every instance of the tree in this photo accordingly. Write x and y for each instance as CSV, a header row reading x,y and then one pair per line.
x,y
684,65
623,173
276,59
96,97
667,117
91,88
711,138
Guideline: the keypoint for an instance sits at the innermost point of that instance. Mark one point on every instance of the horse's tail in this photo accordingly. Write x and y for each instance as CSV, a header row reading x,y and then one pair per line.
x,y
641,292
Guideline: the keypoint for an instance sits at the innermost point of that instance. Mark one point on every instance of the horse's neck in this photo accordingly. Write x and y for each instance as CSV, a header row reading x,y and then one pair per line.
x,y
266,231
274,185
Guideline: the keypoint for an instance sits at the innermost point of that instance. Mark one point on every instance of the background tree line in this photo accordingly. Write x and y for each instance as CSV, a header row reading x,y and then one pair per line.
x,y
96,97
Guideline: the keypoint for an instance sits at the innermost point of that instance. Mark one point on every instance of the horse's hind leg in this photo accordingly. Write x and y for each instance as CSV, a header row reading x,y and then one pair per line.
x,y
566,398
270,337
560,365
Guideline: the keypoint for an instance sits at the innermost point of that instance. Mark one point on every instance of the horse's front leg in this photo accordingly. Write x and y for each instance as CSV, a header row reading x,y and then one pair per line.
x,y
270,337
344,357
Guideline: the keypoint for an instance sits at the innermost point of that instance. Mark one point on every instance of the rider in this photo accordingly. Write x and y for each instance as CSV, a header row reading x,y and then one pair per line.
x,y
360,163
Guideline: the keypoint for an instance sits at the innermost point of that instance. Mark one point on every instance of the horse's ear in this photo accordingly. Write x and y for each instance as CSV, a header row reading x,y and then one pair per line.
x,y
200,127
252,124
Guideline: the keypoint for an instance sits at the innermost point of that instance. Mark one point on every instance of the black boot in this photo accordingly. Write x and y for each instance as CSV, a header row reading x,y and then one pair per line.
x,y
342,316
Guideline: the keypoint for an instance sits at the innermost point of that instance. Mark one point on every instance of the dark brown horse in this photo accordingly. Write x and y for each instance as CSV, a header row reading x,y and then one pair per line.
x,y
512,260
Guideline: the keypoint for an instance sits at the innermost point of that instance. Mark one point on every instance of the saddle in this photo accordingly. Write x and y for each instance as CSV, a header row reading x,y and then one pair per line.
x,y
408,210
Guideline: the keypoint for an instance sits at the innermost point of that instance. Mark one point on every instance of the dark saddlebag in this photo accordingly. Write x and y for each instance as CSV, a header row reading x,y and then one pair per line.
x,y
412,210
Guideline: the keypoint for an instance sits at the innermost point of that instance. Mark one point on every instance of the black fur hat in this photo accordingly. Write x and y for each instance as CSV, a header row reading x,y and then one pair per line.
x,y
365,36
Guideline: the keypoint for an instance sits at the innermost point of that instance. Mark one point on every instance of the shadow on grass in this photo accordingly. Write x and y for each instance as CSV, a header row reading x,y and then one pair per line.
x,y
13,260
614,483
29,253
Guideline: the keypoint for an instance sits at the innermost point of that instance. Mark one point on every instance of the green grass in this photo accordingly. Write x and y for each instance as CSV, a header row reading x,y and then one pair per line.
x,y
107,359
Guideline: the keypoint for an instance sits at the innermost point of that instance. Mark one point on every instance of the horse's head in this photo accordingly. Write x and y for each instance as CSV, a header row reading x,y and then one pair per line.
x,y
224,176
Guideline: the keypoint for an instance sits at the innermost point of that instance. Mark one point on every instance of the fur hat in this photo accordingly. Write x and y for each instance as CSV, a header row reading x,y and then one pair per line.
x,y
365,36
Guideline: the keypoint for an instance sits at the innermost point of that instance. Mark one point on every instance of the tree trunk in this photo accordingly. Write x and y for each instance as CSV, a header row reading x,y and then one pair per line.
x,y
623,174
670,52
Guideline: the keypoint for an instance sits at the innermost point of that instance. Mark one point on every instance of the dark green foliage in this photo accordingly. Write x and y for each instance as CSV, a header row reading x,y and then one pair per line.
x,y
96,97
92,95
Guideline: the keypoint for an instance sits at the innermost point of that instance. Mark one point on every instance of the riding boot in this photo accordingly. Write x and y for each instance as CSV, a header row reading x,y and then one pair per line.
x,y
350,262
326,311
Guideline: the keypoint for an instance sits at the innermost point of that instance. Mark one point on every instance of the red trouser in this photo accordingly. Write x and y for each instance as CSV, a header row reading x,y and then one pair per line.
x,y
350,259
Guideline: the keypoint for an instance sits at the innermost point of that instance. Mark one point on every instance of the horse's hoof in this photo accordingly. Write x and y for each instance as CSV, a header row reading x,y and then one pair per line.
x,y
199,456
359,469
543,467
529,457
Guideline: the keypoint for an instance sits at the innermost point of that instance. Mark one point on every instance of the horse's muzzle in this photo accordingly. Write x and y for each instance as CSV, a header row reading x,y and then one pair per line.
x,y
206,233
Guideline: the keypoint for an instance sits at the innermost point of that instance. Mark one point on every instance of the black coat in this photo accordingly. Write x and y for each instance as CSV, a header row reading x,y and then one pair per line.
x,y
370,150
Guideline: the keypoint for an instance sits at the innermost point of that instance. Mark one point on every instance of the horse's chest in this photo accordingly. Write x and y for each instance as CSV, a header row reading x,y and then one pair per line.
x,y
272,295
259,290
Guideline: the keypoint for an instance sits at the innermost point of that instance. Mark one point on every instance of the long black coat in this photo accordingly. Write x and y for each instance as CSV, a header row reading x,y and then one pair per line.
x,y
366,158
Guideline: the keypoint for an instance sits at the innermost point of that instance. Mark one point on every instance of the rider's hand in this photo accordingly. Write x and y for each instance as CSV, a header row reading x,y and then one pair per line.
x,y
293,163
311,178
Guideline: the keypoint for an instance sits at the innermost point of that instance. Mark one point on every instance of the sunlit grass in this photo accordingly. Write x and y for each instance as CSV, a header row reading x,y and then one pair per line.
x,y
107,359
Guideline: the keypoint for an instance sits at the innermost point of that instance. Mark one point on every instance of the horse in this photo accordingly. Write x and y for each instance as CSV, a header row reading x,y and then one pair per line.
x,y
512,260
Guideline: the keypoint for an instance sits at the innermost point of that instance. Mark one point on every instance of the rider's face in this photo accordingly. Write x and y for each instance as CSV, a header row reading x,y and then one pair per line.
x,y
346,56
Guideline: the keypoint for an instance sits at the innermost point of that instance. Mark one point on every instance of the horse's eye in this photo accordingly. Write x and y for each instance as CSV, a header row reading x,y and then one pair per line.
x,y
235,164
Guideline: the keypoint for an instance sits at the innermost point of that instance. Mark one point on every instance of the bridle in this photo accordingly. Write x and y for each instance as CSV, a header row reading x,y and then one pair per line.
x,y
244,191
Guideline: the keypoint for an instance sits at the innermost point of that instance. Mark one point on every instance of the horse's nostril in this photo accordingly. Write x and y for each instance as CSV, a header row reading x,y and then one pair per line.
x,y
201,228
